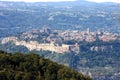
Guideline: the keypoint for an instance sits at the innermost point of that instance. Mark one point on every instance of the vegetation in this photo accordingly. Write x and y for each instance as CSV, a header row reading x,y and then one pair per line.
x,y
31,66
80,15
105,62
57,16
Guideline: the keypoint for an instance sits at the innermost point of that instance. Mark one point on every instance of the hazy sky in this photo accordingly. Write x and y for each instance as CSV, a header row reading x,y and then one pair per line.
x,y
118,1
39,0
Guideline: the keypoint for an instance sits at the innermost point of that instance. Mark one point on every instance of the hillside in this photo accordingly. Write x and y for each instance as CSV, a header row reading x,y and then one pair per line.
x,y
82,35
17,17
33,67
93,53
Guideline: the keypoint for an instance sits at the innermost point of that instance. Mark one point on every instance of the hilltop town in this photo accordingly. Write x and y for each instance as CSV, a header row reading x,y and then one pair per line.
x,y
57,40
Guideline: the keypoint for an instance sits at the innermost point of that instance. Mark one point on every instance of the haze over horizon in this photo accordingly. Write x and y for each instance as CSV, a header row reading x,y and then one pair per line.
x,y
39,0
98,1
101,1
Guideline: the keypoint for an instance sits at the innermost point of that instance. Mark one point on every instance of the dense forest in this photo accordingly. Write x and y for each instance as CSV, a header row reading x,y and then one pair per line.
x,y
31,66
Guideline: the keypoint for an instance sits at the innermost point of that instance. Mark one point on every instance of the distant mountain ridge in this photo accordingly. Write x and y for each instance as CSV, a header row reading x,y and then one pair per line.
x,y
17,17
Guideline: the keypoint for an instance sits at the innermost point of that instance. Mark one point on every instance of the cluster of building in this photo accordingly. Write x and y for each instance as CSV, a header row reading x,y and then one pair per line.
x,y
54,39
78,35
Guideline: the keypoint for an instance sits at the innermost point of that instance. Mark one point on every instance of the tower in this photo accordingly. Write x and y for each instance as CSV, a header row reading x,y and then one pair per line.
x,y
88,30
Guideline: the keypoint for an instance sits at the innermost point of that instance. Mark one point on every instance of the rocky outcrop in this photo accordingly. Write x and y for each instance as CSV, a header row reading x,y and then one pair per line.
x,y
34,45
101,48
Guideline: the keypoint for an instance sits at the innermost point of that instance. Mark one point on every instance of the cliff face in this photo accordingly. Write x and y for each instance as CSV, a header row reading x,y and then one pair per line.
x,y
34,45
101,48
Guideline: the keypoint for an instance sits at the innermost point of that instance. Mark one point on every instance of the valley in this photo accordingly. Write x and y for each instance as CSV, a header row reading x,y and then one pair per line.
x,y
93,53
82,35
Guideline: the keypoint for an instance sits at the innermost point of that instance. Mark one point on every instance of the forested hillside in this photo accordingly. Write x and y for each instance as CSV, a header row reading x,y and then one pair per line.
x,y
31,66
17,17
